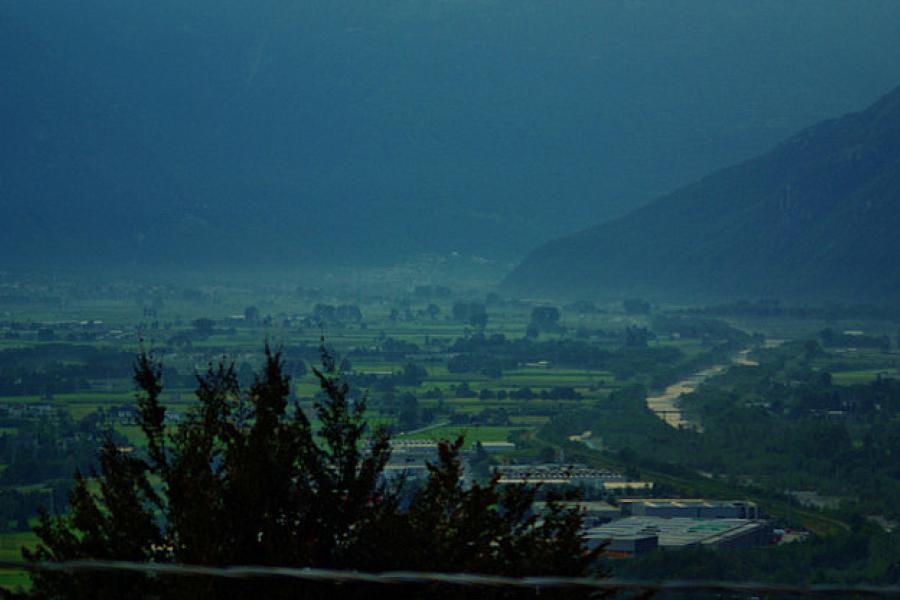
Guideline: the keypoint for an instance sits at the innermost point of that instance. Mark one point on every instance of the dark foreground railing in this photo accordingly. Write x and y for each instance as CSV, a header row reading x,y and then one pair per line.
x,y
611,585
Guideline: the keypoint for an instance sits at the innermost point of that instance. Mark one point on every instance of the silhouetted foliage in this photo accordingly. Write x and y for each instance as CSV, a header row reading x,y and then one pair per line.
x,y
243,480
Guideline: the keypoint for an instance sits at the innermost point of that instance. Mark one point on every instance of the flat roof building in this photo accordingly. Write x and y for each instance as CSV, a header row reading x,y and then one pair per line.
x,y
630,546
689,507
677,533
627,487
424,447
498,447
595,512
557,475
409,472
430,447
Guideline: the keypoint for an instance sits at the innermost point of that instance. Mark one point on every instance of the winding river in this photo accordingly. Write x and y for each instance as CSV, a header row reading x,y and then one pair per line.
x,y
666,405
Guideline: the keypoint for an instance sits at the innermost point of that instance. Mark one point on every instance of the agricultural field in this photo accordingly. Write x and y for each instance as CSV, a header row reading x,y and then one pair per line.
x,y
431,363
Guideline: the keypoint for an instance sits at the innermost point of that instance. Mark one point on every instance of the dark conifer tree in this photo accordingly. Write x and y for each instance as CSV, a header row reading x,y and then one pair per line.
x,y
243,480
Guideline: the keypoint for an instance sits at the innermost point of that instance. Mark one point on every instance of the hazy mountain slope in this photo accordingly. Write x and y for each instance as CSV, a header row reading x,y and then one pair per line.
x,y
815,218
186,133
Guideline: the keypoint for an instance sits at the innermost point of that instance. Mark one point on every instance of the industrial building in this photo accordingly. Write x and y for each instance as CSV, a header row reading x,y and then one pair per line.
x,y
498,447
394,472
410,458
621,488
595,513
677,533
417,448
570,476
429,448
689,508
552,475
630,546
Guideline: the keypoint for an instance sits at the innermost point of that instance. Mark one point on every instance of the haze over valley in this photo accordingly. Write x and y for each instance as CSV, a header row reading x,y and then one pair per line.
x,y
167,136
452,299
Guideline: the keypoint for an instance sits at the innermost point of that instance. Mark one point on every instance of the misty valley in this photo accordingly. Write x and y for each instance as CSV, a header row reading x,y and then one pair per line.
x,y
450,299
785,408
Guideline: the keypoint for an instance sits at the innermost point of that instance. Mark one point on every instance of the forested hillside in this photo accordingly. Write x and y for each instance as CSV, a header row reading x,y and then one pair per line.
x,y
814,218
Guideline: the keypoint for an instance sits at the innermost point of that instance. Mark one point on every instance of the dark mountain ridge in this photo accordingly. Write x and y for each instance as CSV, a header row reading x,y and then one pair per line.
x,y
815,218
